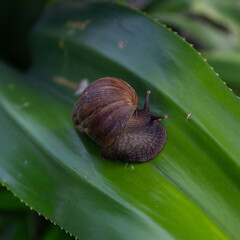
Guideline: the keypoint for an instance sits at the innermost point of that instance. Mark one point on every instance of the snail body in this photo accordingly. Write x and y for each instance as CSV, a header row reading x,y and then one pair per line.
x,y
107,112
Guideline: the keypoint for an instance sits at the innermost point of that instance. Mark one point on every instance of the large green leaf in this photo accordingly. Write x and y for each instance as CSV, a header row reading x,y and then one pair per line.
x,y
189,191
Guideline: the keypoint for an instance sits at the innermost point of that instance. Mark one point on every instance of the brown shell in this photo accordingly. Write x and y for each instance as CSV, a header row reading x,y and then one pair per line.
x,y
104,108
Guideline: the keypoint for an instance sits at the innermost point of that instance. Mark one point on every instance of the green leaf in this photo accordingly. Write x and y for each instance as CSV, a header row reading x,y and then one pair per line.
x,y
190,190
223,12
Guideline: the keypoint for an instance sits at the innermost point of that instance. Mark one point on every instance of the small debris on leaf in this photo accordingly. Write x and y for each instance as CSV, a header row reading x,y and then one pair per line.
x,y
65,82
11,86
121,44
189,115
78,25
82,86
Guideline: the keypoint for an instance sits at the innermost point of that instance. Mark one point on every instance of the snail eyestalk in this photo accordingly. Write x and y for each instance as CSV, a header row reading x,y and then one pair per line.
x,y
158,118
146,104
154,118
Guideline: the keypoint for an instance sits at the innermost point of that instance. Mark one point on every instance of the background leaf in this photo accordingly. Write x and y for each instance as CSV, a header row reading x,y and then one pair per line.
x,y
19,222
212,26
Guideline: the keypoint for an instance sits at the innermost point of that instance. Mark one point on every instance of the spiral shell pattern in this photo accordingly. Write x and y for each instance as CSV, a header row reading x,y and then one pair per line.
x,y
104,109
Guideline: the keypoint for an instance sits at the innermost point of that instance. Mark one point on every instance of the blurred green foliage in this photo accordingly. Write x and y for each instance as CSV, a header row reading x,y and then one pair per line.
x,y
212,26
16,19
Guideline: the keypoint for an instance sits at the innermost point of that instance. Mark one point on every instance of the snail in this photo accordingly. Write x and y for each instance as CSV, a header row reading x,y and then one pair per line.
x,y
107,112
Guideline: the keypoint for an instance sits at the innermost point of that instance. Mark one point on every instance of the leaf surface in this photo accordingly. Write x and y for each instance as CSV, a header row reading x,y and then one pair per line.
x,y
190,189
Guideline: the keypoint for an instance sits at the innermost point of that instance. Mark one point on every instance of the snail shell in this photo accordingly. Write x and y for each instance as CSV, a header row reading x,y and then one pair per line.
x,y
107,112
